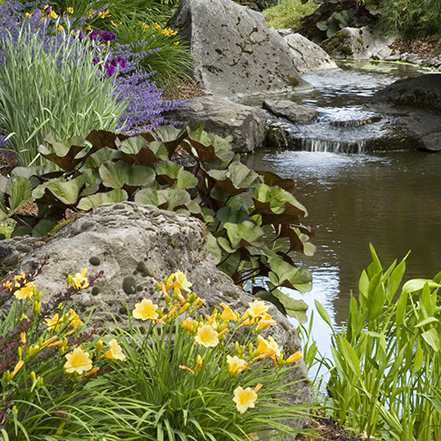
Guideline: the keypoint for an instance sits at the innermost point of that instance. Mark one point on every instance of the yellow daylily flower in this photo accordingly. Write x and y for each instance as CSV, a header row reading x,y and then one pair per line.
x,y
188,324
266,321
26,292
53,323
207,336
267,348
115,352
181,281
70,10
294,357
146,310
78,361
74,320
236,364
17,368
228,313
245,399
79,281
256,310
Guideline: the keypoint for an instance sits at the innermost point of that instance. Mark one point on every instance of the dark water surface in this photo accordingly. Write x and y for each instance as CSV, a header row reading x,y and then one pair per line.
x,y
390,200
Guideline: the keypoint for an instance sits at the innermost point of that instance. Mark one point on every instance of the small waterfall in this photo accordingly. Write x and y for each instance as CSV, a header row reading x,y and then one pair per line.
x,y
330,145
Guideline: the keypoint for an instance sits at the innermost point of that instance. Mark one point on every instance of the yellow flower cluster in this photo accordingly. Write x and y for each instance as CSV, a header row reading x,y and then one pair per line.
x,y
209,331
167,32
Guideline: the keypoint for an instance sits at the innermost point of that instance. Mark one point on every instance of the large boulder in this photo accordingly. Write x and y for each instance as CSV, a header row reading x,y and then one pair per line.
x,y
233,51
416,103
357,44
136,246
245,124
307,55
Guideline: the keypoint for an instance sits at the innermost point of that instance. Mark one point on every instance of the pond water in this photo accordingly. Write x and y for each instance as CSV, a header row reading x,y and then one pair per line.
x,y
392,200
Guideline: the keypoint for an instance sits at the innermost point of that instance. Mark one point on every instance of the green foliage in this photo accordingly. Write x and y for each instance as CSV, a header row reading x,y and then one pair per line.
x,y
334,15
385,376
410,19
106,167
152,375
287,14
134,21
36,98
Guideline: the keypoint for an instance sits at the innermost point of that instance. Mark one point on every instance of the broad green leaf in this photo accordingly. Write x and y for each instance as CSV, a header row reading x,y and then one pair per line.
x,y
227,214
66,154
395,279
65,191
415,285
186,179
19,191
147,196
140,175
101,156
432,339
237,179
114,174
377,303
418,359
94,201
349,355
173,197
294,308
401,309
282,273
3,184
323,313
244,234
272,202
44,226
132,145
229,264
214,248
427,321
272,179
169,169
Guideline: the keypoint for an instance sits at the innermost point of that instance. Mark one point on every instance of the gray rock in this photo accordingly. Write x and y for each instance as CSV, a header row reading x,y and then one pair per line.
x,y
417,101
245,124
292,111
284,32
432,141
138,246
233,51
423,91
356,44
308,55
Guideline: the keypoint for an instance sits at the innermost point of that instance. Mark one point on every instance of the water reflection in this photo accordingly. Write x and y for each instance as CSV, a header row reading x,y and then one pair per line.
x,y
391,200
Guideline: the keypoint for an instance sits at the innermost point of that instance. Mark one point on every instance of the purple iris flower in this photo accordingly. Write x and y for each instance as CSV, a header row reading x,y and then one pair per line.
x,y
108,36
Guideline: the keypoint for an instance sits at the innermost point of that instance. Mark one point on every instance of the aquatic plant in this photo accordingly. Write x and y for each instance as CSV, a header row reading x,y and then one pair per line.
x,y
385,369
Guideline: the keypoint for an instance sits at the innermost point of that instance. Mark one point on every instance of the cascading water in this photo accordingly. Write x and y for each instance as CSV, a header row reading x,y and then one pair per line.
x,y
345,123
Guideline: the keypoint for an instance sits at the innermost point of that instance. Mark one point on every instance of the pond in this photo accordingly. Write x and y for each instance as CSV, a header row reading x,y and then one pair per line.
x,y
392,200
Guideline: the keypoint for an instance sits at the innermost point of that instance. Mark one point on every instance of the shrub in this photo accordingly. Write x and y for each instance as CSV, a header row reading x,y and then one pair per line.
x,y
408,18
334,15
385,369
288,13
176,378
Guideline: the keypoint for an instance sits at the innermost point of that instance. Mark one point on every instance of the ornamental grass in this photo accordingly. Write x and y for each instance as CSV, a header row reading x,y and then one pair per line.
x,y
161,372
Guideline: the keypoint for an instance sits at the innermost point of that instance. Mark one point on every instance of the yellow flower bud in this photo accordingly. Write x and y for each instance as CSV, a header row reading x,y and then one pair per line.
x,y
20,352
33,376
99,346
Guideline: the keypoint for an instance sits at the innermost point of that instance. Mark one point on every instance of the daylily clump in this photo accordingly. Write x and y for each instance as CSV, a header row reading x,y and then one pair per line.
x,y
168,350
209,332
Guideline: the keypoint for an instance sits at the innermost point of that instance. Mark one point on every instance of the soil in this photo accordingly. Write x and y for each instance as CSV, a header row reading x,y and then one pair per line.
x,y
326,429
423,48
